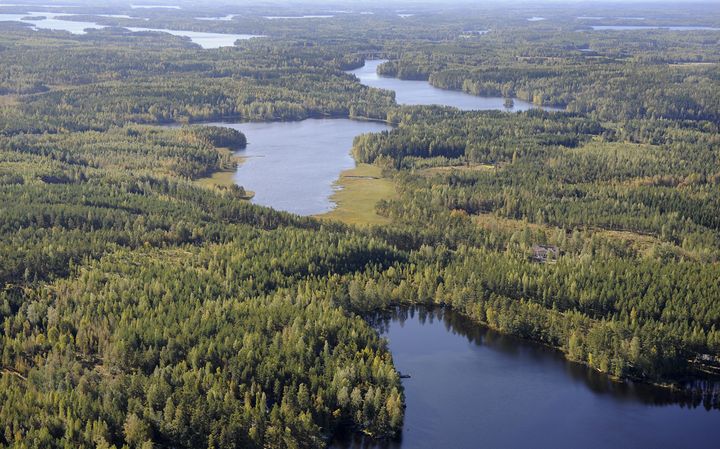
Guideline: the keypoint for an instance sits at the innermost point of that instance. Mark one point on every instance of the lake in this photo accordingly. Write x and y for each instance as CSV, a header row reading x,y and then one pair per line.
x,y
51,21
154,7
471,387
411,92
56,21
651,27
222,18
309,16
203,39
293,166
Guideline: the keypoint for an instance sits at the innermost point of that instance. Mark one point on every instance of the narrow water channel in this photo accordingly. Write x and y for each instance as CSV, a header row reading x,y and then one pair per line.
x,y
410,92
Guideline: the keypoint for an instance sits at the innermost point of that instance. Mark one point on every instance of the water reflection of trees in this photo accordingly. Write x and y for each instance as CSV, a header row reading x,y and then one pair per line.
x,y
699,393
360,441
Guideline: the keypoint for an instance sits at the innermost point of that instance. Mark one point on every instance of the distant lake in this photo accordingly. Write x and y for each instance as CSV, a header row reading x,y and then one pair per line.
x,y
310,16
651,27
472,388
51,21
223,18
55,21
155,7
411,92
203,39
292,166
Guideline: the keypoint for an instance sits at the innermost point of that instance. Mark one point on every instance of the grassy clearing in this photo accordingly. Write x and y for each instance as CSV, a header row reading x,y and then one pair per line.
x,y
647,245
359,190
493,222
222,178
447,169
640,244
8,100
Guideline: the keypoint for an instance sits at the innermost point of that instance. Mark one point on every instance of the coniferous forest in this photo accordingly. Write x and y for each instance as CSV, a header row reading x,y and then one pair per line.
x,y
141,309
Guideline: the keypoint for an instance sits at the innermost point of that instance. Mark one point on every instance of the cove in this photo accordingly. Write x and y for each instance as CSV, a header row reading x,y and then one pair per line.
x,y
411,92
292,166
472,388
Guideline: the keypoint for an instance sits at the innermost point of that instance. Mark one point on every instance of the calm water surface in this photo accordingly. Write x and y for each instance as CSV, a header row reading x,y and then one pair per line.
x,y
422,93
652,27
309,16
51,21
223,18
155,7
292,166
473,388
57,21
203,39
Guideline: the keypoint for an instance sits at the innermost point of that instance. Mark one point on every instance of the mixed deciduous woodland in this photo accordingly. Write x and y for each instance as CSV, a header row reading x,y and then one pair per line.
x,y
139,309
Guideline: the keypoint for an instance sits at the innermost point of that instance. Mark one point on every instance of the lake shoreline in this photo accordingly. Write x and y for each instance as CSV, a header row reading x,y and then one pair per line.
x,y
357,192
225,177
295,165
418,350
668,385
422,92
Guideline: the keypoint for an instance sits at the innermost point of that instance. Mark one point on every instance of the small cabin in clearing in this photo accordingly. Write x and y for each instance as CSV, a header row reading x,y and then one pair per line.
x,y
545,253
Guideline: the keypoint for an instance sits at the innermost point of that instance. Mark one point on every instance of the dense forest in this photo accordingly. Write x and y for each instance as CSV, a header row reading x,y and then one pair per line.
x,y
141,309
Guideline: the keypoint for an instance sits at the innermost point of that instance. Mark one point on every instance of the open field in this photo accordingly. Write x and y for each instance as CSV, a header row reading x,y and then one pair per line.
x,y
223,178
446,169
642,245
359,190
8,100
